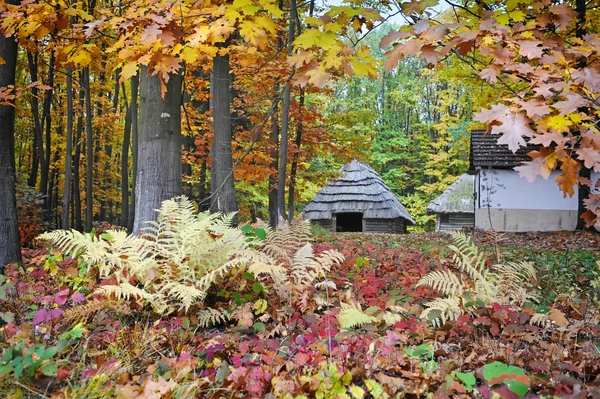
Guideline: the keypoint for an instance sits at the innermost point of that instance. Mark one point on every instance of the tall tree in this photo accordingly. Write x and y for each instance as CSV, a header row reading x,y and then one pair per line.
x,y
10,250
223,190
158,174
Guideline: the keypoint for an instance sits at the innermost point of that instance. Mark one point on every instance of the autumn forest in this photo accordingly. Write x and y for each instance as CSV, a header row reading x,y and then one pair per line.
x,y
156,155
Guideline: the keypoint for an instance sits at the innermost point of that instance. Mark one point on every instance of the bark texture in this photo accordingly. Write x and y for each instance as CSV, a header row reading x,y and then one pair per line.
x,y
159,147
223,190
10,250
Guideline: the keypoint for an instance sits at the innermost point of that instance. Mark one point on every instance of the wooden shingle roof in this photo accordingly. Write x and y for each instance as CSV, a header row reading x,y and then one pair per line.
x,y
458,198
487,153
358,189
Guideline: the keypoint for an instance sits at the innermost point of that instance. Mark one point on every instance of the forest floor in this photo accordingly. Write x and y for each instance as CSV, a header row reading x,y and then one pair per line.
x,y
61,340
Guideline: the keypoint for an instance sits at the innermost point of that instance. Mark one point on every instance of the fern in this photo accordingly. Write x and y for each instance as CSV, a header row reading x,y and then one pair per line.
x,y
503,283
175,262
296,266
211,317
352,316
444,309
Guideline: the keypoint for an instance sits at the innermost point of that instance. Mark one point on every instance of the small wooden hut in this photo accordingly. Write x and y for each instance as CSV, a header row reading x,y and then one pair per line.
x,y
358,201
455,208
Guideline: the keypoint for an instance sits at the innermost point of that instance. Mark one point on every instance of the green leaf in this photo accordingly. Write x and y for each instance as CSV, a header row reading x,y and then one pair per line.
x,y
48,353
517,387
7,355
106,237
468,379
50,369
222,373
248,276
18,370
6,369
185,323
259,326
261,233
257,287
246,229
497,369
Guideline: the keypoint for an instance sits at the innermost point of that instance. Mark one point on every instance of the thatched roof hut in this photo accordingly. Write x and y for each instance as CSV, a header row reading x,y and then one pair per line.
x,y
455,207
358,200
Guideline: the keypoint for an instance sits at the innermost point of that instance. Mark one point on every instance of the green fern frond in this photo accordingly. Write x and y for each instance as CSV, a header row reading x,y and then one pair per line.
x,y
352,316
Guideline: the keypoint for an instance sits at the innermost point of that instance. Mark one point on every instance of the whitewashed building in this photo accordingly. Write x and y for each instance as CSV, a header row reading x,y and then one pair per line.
x,y
506,202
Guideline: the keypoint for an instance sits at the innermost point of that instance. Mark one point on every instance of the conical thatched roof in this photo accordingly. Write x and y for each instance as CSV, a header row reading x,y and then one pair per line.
x,y
458,198
358,189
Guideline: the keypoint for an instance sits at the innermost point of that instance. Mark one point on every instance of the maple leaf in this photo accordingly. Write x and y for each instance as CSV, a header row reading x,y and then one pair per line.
x,y
542,164
129,70
490,73
558,123
531,48
393,36
514,127
301,58
590,158
547,138
488,115
150,33
394,56
534,108
568,179
589,78
429,54
571,104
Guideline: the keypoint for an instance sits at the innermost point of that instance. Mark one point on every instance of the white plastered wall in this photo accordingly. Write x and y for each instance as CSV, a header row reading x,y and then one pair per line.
x,y
507,202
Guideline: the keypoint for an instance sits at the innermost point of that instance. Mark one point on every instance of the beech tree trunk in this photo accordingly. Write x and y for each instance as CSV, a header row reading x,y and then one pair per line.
x,y
159,147
223,190
10,247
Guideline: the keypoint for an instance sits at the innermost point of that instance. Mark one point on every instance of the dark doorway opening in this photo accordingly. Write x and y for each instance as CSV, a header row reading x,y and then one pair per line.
x,y
349,222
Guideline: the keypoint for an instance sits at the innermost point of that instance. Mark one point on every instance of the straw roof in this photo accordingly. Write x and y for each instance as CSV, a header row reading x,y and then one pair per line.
x,y
458,198
358,189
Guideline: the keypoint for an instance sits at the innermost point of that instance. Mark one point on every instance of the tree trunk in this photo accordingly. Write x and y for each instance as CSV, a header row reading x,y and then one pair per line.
x,y
10,247
285,122
77,161
89,176
274,163
223,190
294,169
134,149
37,127
125,165
69,151
159,163
47,125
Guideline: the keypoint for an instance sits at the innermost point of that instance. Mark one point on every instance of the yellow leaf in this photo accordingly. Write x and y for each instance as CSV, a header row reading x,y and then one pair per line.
x,y
559,123
129,70
260,306
357,392
517,16
503,19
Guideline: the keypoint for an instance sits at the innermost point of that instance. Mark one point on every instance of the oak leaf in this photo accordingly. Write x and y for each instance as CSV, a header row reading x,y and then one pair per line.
x,y
514,128
568,179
